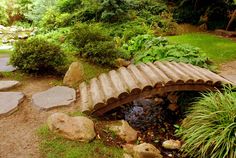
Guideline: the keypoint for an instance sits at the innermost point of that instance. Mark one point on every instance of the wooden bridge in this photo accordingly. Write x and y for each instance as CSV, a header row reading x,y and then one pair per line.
x,y
124,85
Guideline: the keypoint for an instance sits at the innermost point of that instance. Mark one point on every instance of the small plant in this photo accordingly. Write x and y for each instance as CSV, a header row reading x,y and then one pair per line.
x,y
37,55
210,127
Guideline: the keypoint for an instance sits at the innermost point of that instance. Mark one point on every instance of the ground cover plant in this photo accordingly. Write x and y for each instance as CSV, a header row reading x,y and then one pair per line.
x,y
209,129
148,48
218,49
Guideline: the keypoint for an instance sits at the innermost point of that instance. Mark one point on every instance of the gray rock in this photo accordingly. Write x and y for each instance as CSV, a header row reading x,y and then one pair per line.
x,y
124,131
4,85
144,150
9,102
78,128
171,144
54,97
4,67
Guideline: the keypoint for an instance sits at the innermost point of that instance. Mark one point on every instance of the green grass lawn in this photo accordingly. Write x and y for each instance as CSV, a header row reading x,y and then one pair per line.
x,y
53,146
218,49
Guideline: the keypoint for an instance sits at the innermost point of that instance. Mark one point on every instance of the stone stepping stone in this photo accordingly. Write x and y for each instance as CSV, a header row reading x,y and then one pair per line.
x,y
4,67
6,47
5,85
9,102
54,97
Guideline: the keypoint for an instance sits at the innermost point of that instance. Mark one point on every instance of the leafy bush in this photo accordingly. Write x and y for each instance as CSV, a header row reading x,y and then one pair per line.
x,y
53,19
37,55
113,10
94,44
81,34
3,14
37,9
68,5
147,48
210,126
101,52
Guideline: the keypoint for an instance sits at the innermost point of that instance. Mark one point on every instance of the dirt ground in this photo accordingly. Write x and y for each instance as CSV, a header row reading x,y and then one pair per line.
x,y
18,131
228,68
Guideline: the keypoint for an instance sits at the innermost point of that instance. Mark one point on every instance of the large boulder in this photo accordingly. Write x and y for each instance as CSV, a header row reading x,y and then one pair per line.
x,y
74,74
124,131
144,150
74,128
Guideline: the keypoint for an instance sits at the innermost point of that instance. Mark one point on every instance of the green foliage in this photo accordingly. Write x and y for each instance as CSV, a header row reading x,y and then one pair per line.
x,y
154,7
94,43
215,12
38,9
82,33
53,146
147,48
219,50
68,6
53,19
37,55
113,10
3,14
210,127
101,52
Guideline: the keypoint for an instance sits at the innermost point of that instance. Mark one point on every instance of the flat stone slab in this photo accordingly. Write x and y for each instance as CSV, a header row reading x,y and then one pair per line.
x,y
6,47
4,67
4,85
9,102
54,97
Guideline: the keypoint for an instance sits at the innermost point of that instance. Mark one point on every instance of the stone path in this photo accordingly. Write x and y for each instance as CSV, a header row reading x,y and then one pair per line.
x,y
9,102
18,131
4,67
5,85
54,97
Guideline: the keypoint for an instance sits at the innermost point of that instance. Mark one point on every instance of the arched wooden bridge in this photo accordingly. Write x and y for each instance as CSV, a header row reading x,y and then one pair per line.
x,y
124,85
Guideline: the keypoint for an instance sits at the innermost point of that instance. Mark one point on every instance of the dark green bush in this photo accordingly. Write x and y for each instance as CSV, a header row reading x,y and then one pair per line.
x,y
113,10
94,44
81,34
209,129
68,6
101,52
52,19
37,55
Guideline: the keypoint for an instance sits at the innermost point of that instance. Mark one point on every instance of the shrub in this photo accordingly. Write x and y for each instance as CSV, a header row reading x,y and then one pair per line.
x,y
113,10
148,48
53,19
3,14
68,6
37,55
210,126
101,52
94,44
81,34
